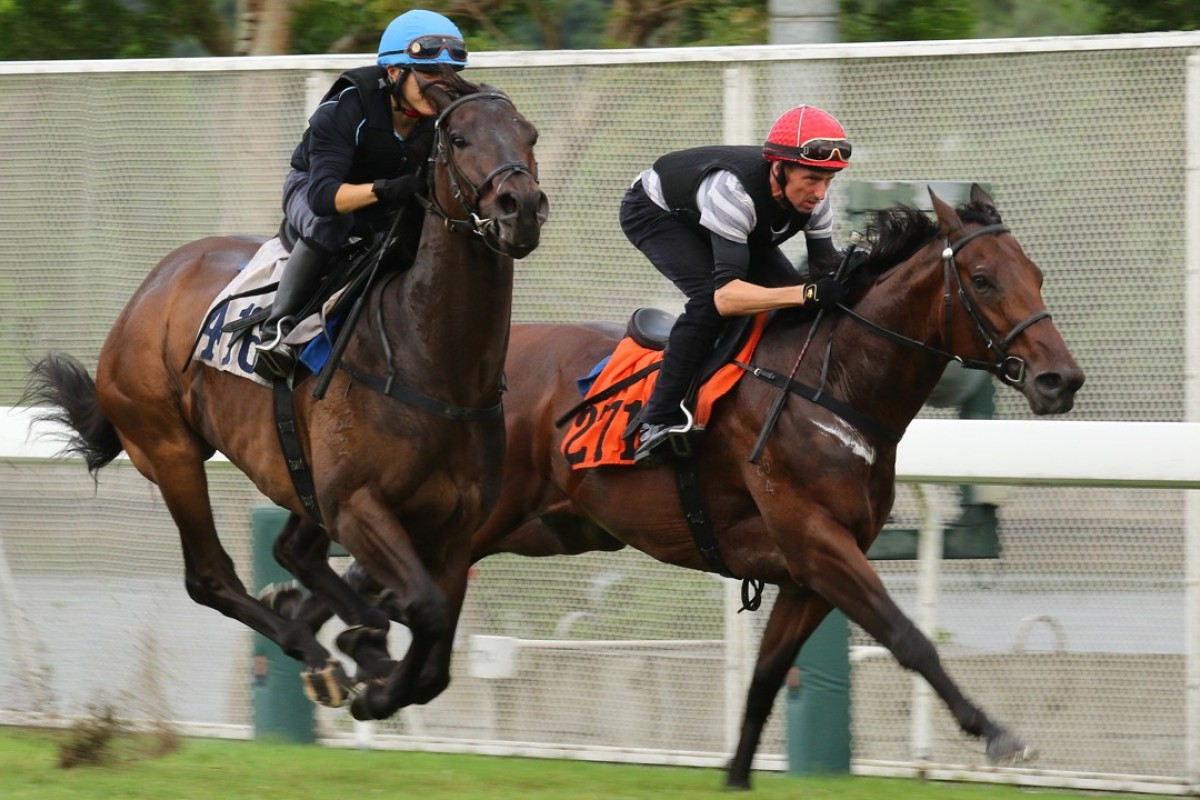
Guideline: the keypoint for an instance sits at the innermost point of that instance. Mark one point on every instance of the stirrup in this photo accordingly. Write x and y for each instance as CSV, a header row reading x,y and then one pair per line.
x,y
280,332
278,362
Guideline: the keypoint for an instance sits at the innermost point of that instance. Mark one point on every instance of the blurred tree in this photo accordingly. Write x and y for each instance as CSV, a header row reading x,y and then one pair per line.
x,y
86,29
903,20
1126,16
1007,18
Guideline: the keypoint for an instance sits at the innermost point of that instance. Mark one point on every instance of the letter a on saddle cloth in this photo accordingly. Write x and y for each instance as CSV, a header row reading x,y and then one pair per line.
x,y
594,436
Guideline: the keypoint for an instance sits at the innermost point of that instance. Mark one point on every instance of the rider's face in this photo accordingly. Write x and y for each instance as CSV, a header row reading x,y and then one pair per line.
x,y
804,186
410,91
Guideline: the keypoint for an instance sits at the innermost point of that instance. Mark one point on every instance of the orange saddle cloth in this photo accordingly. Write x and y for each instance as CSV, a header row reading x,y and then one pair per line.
x,y
594,436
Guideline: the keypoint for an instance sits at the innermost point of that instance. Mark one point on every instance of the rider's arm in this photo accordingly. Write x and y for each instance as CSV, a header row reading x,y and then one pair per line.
x,y
736,297
332,131
818,233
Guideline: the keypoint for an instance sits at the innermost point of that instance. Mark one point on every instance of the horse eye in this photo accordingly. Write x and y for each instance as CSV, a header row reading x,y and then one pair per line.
x,y
980,282
457,140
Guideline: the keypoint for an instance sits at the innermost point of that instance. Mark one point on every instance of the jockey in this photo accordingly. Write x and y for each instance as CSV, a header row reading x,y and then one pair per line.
x,y
711,220
362,156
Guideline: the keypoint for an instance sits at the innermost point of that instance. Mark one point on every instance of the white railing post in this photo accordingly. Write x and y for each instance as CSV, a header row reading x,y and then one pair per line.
x,y
1192,394
929,577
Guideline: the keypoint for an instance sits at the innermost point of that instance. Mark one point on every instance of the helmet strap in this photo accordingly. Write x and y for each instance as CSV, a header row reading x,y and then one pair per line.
x,y
781,179
397,88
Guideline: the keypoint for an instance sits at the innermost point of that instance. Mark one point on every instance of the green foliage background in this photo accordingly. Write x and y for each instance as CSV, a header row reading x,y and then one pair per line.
x,y
96,29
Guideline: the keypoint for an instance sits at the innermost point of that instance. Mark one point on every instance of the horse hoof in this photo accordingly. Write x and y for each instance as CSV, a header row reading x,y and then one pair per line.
x,y
357,637
1005,749
328,686
363,707
282,598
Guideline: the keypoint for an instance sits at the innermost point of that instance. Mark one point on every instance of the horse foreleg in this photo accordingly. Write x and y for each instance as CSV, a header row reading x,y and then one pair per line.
x,y
836,569
303,549
382,546
796,614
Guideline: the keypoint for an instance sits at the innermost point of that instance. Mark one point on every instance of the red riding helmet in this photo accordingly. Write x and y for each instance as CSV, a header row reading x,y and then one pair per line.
x,y
809,136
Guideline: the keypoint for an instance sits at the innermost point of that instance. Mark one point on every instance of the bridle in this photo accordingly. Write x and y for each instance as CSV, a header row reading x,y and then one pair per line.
x,y
466,193
1010,369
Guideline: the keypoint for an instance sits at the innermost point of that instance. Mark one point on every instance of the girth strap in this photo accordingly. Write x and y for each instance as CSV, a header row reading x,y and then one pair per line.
x,y
293,453
398,391
700,524
843,410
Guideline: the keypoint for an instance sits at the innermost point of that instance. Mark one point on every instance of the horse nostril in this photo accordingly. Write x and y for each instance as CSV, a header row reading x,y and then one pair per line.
x,y
543,207
1049,384
507,204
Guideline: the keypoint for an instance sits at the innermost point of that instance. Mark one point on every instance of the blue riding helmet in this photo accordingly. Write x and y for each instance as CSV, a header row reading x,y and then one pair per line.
x,y
422,38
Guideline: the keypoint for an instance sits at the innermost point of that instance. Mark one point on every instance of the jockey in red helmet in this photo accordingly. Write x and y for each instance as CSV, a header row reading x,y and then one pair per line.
x,y
711,219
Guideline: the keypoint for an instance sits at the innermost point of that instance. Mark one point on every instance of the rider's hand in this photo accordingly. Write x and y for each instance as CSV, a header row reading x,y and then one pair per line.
x,y
398,190
824,293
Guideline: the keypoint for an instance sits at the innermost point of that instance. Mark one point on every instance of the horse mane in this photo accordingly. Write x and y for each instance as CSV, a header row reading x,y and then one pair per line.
x,y
451,82
897,233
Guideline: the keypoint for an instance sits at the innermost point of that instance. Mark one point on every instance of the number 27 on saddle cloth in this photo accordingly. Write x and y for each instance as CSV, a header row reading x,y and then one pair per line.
x,y
594,436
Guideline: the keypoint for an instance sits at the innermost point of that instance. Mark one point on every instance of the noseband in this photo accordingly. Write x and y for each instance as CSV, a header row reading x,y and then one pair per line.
x,y
466,193
1010,369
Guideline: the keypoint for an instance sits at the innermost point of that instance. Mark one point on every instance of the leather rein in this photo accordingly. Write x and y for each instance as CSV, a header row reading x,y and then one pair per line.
x,y
1010,369
466,193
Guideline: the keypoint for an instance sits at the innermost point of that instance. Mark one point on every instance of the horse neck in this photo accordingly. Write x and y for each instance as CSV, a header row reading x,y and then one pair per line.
x,y
883,379
447,317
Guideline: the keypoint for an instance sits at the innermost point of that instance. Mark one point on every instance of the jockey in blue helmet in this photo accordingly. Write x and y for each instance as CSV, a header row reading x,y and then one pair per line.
x,y
359,161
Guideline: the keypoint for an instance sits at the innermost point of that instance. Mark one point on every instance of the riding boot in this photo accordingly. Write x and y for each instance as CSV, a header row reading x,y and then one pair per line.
x,y
664,413
301,276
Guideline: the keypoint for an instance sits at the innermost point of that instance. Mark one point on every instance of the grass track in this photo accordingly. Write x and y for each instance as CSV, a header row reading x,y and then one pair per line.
x,y
214,770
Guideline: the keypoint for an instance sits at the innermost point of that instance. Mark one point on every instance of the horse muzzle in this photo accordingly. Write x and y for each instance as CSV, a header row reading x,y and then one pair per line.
x,y
1053,391
518,216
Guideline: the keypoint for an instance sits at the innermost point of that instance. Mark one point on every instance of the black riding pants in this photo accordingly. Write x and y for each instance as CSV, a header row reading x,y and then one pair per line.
x,y
685,256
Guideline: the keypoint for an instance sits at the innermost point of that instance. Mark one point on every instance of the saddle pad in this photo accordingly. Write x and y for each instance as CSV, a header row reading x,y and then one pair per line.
x,y
595,436
234,352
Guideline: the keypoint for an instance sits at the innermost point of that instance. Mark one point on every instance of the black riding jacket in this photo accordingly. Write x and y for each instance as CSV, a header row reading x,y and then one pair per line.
x,y
681,173
351,139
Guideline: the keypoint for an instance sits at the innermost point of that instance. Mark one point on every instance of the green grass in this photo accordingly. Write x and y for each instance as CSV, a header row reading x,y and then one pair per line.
x,y
212,770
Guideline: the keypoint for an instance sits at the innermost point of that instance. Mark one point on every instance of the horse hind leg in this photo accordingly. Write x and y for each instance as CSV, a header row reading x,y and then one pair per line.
x,y
210,577
796,614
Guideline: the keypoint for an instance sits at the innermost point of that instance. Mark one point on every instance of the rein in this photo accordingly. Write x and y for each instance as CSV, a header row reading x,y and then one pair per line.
x,y
483,227
1010,369
390,386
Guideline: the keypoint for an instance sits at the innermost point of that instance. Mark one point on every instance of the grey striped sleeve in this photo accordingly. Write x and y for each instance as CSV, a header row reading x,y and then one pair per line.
x,y
725,207
820,224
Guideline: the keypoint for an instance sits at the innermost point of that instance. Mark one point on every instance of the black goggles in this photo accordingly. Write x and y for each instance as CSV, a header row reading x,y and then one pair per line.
x,y
825,150
427,48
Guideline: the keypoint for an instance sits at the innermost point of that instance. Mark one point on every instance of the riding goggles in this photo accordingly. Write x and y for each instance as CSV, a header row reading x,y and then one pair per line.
x,y
427,48
825,150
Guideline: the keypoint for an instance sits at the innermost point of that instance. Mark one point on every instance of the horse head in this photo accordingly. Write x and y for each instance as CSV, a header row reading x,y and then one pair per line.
x,y
485,174
993,316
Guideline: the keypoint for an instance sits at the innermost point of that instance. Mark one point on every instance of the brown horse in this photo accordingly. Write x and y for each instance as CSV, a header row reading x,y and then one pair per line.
x,y
406,448
806,513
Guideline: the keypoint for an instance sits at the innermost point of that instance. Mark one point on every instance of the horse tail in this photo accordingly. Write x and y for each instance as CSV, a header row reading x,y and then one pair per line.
x,y
62,382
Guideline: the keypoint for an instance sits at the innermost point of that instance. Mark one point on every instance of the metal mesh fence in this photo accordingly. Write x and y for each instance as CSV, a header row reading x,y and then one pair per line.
x,y
1074,636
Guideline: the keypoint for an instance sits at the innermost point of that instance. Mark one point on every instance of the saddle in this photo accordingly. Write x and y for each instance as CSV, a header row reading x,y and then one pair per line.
x,y
616,389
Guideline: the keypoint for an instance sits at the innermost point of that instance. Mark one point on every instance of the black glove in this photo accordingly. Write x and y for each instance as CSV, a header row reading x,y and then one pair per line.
x,y
824,293
398,190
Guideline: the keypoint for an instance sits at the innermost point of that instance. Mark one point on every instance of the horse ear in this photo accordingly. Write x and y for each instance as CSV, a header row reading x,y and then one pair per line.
x,y
982,199
948,219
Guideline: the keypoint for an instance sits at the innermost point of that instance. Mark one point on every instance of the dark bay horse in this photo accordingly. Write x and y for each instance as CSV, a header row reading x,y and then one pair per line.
x,y
406,447
806,513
